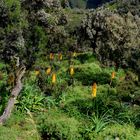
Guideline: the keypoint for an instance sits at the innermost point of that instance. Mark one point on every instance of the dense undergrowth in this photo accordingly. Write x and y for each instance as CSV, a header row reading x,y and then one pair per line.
x,y
93,44
70,112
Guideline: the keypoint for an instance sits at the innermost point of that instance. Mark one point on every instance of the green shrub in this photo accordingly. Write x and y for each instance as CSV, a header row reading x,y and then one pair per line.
x,y
123,132
128,90
19,126
86,58
56,125
90,73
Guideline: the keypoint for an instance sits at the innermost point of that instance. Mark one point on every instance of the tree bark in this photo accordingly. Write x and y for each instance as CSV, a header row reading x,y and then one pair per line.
x,y
14,94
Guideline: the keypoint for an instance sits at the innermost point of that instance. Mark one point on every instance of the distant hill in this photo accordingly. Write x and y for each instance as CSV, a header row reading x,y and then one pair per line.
x,y
87,3
78,3
95,3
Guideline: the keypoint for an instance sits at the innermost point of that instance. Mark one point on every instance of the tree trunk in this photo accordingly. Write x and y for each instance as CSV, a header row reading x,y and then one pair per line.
x,y
14,94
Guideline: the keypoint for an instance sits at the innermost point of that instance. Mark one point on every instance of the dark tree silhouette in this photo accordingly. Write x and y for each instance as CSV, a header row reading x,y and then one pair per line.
x,y
95,3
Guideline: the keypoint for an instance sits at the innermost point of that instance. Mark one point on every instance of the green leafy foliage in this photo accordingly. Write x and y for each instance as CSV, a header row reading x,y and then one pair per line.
x,y
65,109
58,126
31,99
125,132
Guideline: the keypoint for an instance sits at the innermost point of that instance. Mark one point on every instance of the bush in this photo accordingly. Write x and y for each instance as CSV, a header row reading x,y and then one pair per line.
x,y
123,132
56,125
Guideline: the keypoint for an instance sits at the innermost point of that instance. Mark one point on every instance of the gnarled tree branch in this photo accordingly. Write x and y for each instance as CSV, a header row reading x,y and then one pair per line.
x,y
14,94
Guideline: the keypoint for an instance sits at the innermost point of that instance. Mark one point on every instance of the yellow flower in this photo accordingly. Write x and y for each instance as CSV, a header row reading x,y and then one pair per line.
x,y
37,72
51,56
94,90
48,71
71,71
54,78
113,75
60,57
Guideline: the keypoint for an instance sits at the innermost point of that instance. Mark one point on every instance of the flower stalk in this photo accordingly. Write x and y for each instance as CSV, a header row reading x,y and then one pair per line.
x,y
94,90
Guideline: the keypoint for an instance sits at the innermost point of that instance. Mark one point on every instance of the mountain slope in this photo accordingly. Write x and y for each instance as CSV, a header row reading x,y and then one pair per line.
x,y
87,3
95,3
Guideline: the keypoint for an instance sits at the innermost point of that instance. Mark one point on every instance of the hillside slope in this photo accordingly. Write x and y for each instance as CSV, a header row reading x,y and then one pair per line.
x,y
82,78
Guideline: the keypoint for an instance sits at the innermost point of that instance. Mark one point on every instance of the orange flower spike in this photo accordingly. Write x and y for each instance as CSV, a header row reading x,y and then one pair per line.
x,y
113,75
51,56
54,78
94,90
60,57
48,71
71,71
37,72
